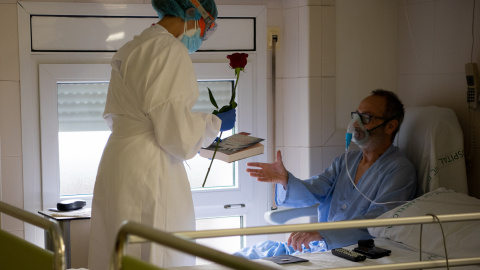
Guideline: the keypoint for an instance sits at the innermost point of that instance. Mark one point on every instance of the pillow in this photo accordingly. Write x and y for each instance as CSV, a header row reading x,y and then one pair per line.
x,y
462,238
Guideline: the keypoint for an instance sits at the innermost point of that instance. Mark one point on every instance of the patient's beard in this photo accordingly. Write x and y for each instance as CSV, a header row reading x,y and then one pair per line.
x,y
376,137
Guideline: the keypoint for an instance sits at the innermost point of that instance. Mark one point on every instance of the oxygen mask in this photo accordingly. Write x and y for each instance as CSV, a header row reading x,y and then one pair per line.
x,y
356,132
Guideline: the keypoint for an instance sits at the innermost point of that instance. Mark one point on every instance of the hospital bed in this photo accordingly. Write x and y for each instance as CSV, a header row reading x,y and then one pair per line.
x,y
461,230
19,254
431,137
403,256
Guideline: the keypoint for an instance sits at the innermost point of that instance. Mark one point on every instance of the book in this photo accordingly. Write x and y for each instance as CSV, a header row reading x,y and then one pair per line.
x,y
235,147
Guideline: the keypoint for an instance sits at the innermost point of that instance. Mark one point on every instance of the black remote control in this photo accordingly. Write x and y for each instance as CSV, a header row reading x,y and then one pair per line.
x,y
348,254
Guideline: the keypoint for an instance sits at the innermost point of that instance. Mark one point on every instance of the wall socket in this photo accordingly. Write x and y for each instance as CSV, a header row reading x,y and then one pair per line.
x,y
273,31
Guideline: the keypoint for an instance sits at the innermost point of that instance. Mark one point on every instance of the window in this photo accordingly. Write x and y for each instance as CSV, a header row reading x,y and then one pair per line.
x,y
82,134
73,132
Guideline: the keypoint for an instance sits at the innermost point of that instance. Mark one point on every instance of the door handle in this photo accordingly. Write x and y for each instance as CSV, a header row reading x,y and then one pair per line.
x,y
232,206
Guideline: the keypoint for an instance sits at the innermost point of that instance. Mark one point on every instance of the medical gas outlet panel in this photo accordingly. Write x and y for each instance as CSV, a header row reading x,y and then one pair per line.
x,y
471,73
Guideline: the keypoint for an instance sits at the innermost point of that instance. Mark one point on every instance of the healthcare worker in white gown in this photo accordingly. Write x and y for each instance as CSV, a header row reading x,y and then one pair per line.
x,y
141,176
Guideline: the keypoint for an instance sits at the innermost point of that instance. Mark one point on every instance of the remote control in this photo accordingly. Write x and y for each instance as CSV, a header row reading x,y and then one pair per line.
x,y
348,254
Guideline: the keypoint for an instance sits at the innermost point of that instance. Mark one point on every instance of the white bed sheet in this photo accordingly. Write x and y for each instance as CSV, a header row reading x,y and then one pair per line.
x,y
324,260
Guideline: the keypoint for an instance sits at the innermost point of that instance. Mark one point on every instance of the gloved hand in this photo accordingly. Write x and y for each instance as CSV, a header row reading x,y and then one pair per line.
x,y
228,119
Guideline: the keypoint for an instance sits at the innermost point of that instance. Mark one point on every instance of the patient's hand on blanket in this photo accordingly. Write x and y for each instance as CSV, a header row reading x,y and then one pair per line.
x,y
296,239
270,172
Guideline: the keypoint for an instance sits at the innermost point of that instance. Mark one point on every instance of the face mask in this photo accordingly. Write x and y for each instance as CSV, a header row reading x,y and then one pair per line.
x,y
191,38
357,132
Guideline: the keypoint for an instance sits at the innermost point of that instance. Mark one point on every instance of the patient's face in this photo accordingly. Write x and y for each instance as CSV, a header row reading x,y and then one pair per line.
x,y
374,106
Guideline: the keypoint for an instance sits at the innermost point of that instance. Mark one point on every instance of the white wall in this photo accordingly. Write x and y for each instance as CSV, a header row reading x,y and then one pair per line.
x,y
366,52
11,148
334,54
433,46
306,86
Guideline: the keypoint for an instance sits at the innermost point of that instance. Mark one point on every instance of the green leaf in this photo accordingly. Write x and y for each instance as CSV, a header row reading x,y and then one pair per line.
x,y
212,99
225,108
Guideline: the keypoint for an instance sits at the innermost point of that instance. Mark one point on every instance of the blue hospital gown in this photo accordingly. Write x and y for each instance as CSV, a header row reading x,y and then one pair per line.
x,y
391,178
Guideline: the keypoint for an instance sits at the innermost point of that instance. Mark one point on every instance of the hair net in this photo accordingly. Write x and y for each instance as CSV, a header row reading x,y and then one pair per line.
x,y
178,8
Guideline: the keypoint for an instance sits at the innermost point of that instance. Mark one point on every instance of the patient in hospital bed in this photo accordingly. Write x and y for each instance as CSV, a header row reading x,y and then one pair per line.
x,y
361,184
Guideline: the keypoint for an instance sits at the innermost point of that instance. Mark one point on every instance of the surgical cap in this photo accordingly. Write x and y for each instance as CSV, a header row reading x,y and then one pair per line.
x,y
178,8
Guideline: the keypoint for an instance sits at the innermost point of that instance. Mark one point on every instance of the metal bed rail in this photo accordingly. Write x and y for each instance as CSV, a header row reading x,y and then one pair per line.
x,y
367,223
50,226
179,243
347,224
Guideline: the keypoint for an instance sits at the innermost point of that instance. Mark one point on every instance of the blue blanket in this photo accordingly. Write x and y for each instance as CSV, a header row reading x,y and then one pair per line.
x,y
272,248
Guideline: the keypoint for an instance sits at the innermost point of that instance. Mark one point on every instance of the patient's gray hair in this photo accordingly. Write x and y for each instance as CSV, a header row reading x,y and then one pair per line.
x,y
393,107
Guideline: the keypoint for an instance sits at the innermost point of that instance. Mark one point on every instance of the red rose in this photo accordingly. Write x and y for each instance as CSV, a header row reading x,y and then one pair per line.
x,y
238,60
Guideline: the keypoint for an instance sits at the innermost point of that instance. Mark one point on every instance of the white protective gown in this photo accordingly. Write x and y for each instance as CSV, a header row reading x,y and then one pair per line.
x,y
141,176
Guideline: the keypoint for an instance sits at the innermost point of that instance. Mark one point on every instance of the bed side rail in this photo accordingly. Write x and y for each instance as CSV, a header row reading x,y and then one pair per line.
x,y
347,224
10,254
130,228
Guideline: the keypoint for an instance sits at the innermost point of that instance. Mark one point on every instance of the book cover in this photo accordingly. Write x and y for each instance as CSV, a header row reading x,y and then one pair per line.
x,y
235,147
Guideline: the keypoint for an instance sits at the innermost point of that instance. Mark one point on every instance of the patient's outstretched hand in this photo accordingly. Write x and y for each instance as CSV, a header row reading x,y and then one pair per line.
x,y
270,172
